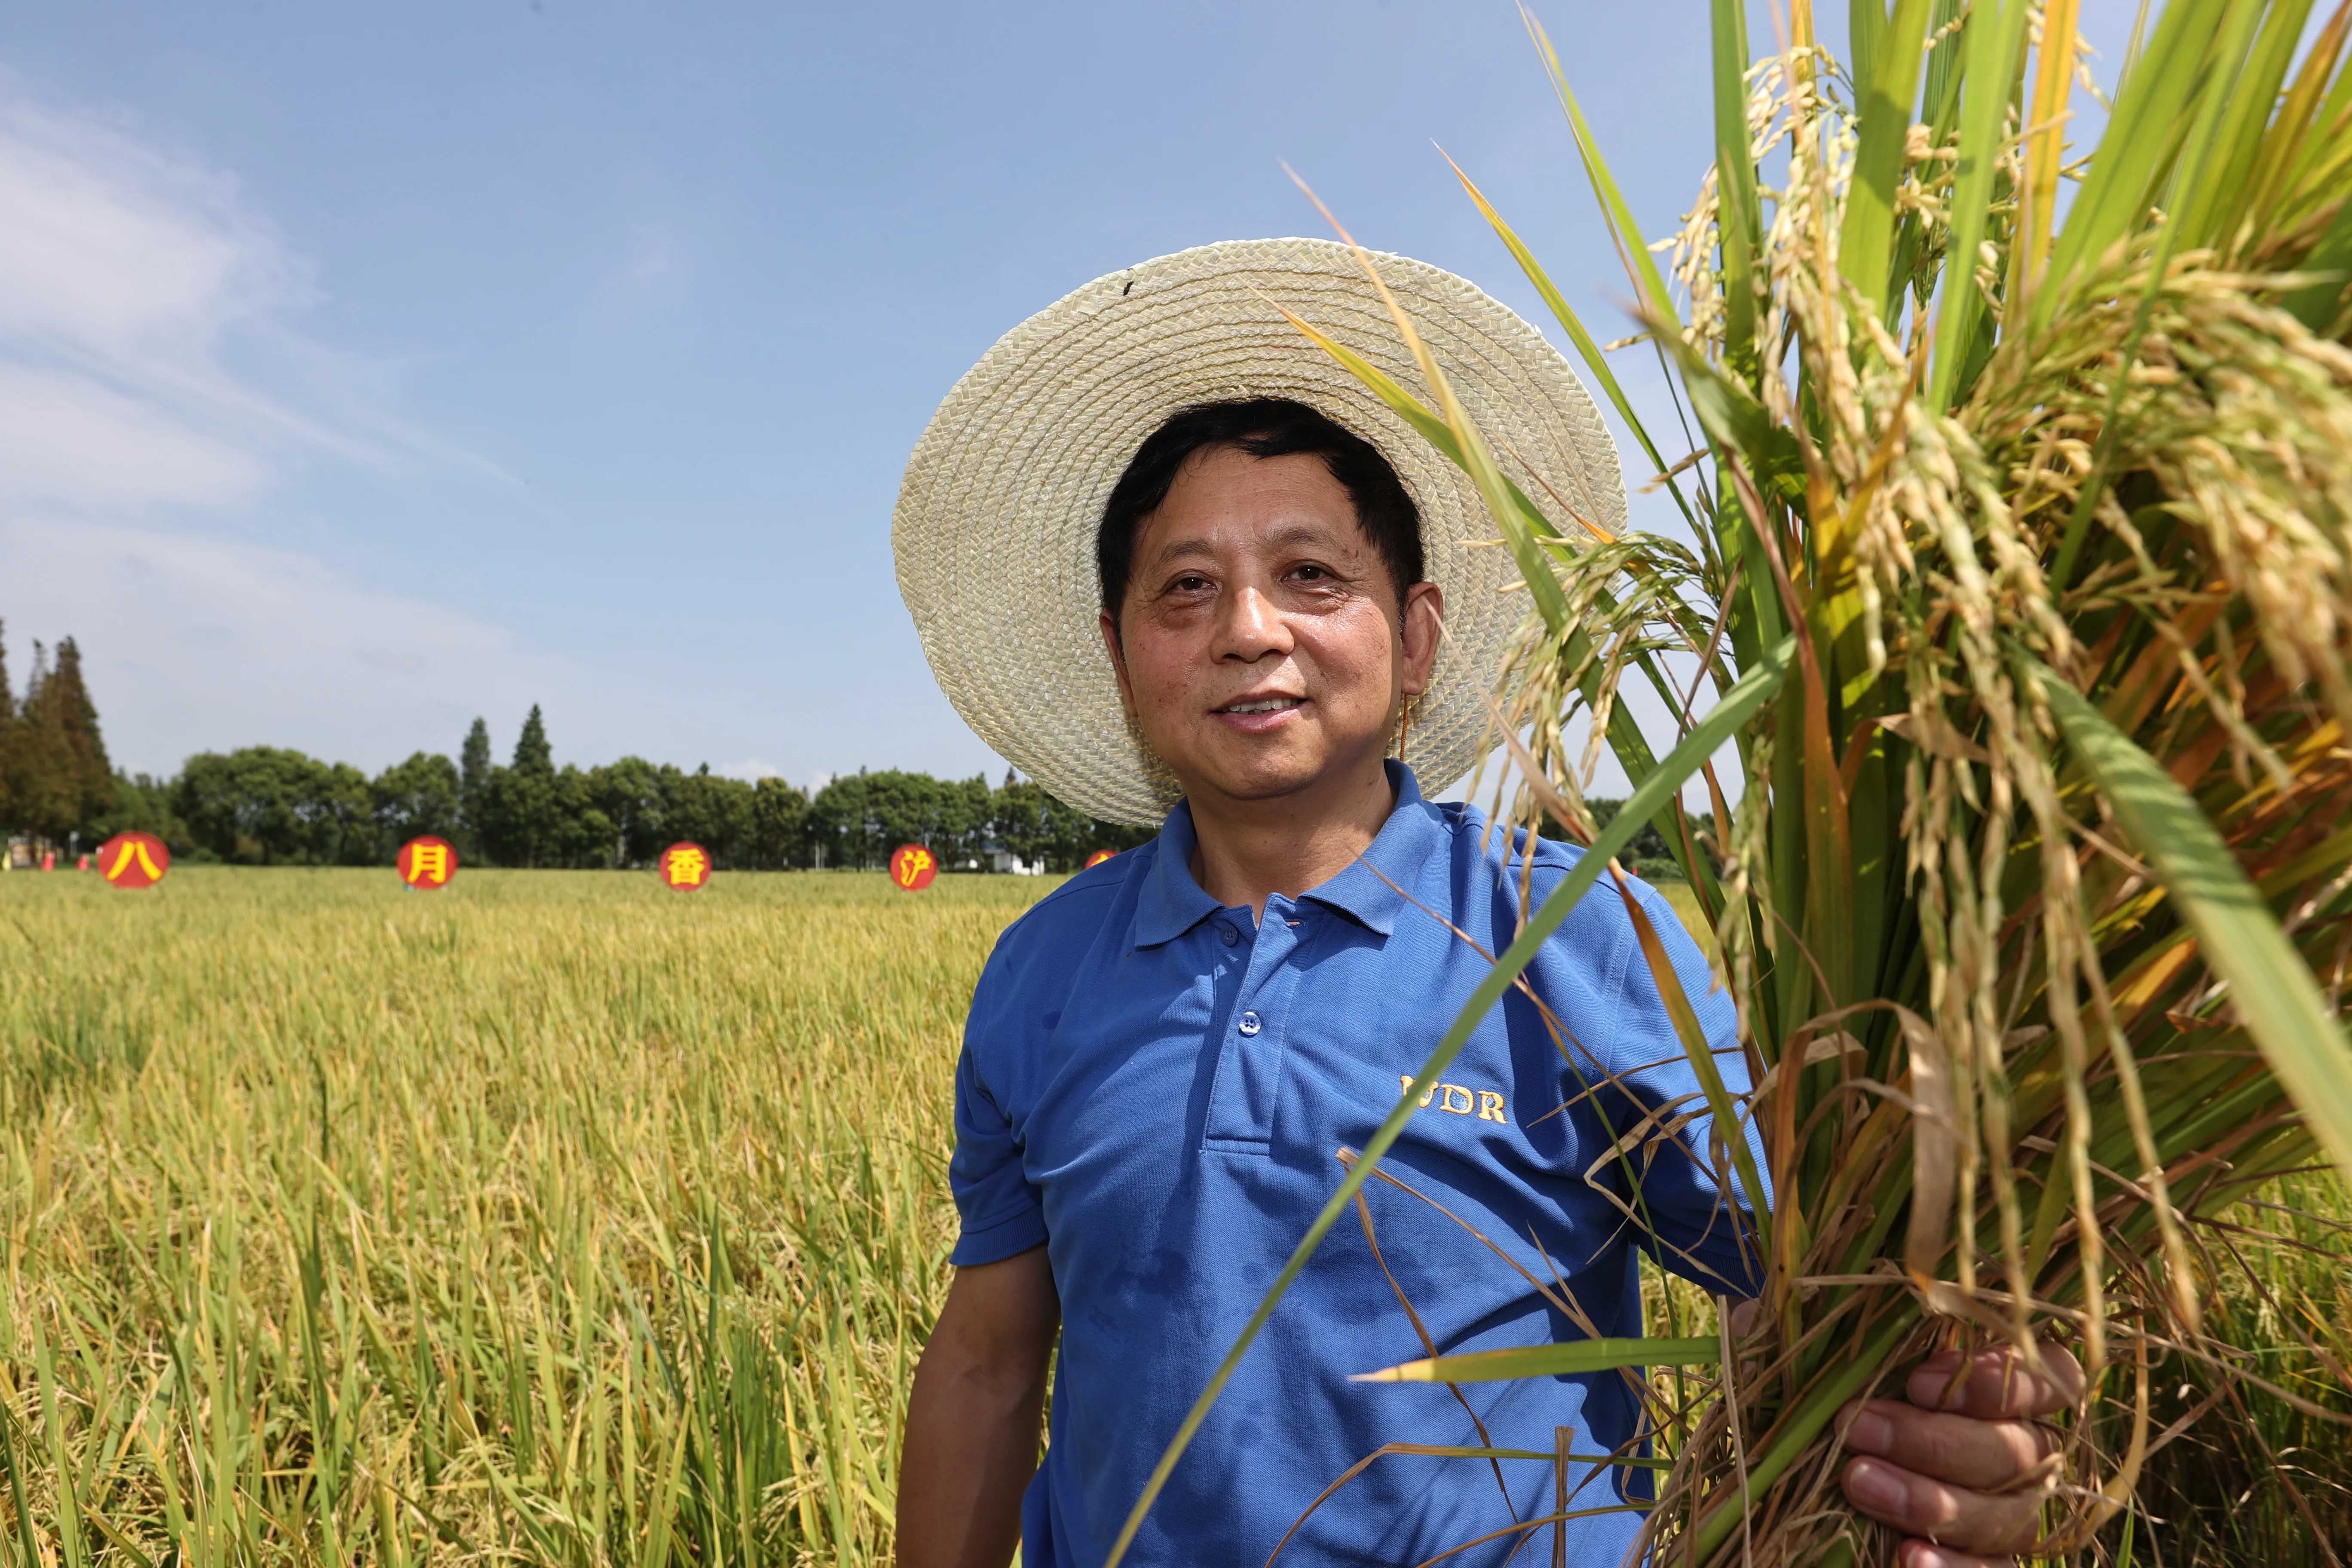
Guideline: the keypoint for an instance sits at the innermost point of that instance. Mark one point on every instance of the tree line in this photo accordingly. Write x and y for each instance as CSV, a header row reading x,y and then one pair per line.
x,y
273,805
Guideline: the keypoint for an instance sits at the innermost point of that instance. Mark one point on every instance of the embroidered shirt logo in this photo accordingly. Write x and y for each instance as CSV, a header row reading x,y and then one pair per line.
x,y
1457,1100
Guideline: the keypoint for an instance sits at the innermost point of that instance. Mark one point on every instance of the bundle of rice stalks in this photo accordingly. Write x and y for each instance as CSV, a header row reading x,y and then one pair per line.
x,y
2019,578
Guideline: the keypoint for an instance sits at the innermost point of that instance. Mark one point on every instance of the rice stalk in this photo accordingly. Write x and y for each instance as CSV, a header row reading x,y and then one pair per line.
x,y
2020,584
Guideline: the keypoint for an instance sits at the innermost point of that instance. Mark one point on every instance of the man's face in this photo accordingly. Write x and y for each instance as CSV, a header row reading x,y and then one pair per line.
x,y
1261,644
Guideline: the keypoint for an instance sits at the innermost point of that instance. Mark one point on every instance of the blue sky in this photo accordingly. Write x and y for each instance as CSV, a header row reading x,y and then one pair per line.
x,y
363,369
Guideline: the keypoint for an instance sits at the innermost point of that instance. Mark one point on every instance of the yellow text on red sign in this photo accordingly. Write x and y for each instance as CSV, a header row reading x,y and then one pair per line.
x,y
133,860
684,868
913,867
427,862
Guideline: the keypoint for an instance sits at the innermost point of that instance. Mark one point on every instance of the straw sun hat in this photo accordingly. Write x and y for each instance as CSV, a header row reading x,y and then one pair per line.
x,y
994,531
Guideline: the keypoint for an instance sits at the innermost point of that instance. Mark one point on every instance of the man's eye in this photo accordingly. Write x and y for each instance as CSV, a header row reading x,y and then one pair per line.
x,y
1310,574
1189,584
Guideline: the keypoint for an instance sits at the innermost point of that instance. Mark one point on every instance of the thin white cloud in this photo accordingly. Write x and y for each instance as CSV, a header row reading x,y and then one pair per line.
x,y
66,440
132,278
193,644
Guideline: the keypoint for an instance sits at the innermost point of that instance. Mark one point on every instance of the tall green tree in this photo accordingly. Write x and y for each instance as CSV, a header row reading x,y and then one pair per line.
x,y
631,794
339,816
473,787
258,802
58,781
779,822
421,795
714,811
144,802
583,834
522,808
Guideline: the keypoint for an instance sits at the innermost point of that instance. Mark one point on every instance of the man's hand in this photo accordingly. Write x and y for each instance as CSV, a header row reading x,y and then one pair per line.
x,y
1950,1468
972,1420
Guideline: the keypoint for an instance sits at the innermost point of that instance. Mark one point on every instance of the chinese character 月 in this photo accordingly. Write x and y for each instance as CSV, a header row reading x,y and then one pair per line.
x,y
429,863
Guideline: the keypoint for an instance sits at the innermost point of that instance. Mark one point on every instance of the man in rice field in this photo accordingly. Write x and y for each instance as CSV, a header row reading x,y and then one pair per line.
x,y
1172,561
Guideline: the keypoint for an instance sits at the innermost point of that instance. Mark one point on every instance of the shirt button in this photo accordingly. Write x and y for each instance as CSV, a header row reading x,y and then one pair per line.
x,y
1227,935
1250,1025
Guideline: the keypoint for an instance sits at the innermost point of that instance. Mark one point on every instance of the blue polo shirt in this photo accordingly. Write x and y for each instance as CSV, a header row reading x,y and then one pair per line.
x,y
1157,1090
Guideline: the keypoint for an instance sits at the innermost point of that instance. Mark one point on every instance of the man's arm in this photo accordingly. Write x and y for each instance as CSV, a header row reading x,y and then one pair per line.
x,y
971,1421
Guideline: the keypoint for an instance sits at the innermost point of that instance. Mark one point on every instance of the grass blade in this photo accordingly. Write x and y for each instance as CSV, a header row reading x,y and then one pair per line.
x,y
1640,266
1866,238
1587,349
1738,215
1565,1360
2270,984
1996,35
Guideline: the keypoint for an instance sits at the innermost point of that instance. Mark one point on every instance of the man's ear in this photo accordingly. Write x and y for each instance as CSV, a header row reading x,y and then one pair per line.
x,y
1425,615
1118,651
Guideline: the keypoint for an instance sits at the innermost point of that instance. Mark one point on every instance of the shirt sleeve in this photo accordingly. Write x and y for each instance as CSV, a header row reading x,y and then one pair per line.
x,y
1001,1212
1699,1222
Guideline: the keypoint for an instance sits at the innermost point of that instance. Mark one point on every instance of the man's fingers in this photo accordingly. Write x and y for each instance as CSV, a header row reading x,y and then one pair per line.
x,y
1922,1554
1994,1523
1983,1456
1997,1382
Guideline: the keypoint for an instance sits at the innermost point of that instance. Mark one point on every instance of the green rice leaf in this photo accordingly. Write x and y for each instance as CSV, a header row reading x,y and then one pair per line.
x,y
2270,984
1995,40
2142,135
1866,239
1587,349
1695,1046
1640,265
1564,1360
1736,222
2317,303
2218,205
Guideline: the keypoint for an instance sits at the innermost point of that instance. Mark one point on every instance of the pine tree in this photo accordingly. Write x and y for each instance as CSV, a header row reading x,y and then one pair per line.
x,y
473,788
90,775
532,755
51,755
8,817
523,815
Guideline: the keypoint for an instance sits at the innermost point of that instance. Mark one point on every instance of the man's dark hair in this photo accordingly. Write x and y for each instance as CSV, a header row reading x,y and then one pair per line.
x,y
1264,428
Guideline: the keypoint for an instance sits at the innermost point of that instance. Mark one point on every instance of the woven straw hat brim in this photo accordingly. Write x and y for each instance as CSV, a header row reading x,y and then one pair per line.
x,y
994,531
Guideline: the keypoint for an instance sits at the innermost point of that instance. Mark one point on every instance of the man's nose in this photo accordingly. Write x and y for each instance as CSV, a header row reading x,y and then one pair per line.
x,y
1253,628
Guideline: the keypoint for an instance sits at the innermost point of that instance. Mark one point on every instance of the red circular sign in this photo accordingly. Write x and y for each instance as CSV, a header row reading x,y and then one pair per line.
x,y
1098,857
913,867
684,868
133,860
427,862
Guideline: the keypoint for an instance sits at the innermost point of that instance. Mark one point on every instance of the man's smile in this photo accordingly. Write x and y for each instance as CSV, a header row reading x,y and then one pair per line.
x,y
1257,714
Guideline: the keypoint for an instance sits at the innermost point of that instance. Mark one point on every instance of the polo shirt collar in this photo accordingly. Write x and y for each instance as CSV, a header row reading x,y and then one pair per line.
x,y
1369,891
1172,903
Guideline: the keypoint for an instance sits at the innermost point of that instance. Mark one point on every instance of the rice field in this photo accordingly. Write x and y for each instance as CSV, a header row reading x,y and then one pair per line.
x,y
553,1218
